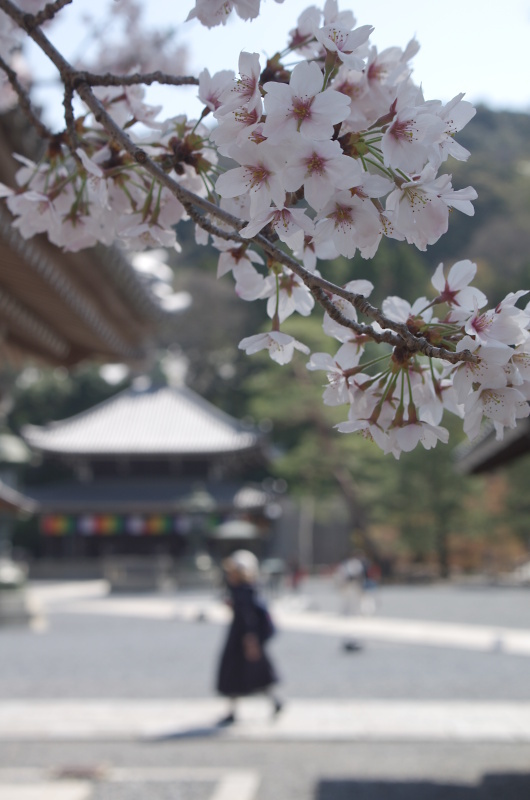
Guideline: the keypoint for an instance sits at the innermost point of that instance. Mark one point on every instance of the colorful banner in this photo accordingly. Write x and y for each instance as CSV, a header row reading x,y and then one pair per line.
x,y
57,525
132,525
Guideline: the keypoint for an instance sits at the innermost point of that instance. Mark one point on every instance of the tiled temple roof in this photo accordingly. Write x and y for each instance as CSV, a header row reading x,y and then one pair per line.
x,y
145,422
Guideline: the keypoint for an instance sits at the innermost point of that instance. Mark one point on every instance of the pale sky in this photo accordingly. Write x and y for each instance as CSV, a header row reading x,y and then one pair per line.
x,y
464,47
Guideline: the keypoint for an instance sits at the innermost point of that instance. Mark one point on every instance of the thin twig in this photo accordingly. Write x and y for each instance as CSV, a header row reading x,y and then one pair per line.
x,y
70,119
48,12
147,78
24,101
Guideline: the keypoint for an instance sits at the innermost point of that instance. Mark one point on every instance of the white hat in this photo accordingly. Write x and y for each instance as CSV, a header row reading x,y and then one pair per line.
x,y
245,563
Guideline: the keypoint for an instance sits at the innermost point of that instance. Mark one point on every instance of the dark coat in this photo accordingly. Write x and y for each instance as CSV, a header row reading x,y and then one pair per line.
x,y
237,676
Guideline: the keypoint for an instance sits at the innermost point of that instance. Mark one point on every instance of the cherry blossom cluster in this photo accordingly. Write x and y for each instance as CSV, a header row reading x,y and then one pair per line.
x,y
347,132
317,152
98,193
398,400
217,12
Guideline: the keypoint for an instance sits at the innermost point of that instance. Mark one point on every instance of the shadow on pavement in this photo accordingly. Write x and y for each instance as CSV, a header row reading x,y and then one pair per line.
x,y
204,732
492,787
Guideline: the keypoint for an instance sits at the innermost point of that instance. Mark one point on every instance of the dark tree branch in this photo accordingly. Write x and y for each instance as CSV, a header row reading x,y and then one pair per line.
x,y
357,327
206,224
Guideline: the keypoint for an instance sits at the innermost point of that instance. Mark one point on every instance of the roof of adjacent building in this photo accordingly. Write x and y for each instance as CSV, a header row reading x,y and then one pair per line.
x,y
145,422
488,453
61,307
13,501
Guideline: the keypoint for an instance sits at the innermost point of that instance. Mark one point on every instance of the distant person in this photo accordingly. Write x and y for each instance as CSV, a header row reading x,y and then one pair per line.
x,y
350,577
371,586
295,572
245,668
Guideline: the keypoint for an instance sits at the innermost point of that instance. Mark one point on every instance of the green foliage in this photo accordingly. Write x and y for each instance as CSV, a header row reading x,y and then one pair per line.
x,y
498,236
427,500
43,395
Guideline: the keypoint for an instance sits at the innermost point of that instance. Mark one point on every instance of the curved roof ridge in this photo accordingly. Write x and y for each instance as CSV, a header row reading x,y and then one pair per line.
x,y
149,421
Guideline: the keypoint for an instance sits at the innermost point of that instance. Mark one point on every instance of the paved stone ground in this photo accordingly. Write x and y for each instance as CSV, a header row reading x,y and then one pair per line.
x,y
436,704
302,771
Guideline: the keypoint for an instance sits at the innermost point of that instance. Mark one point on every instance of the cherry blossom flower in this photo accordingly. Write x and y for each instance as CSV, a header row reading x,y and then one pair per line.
x,y
281,346
212,87
287,295
302,106
337,39
455,289
238,206
234,129
332,15
233,255
400,310
369,415
171,211
38,175
140,111
419,209
504,406
352,224
289,223
74,233
521,361
138,235
311,250
454,116
97,184
250,284
35,213
216,12
388,68
487,372
405,144
260,176
302,38
246,91
409,435
322,168
500,327
338,368
433,395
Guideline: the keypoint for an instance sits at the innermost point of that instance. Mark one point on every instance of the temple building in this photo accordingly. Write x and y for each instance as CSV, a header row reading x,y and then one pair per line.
x,y
155,470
